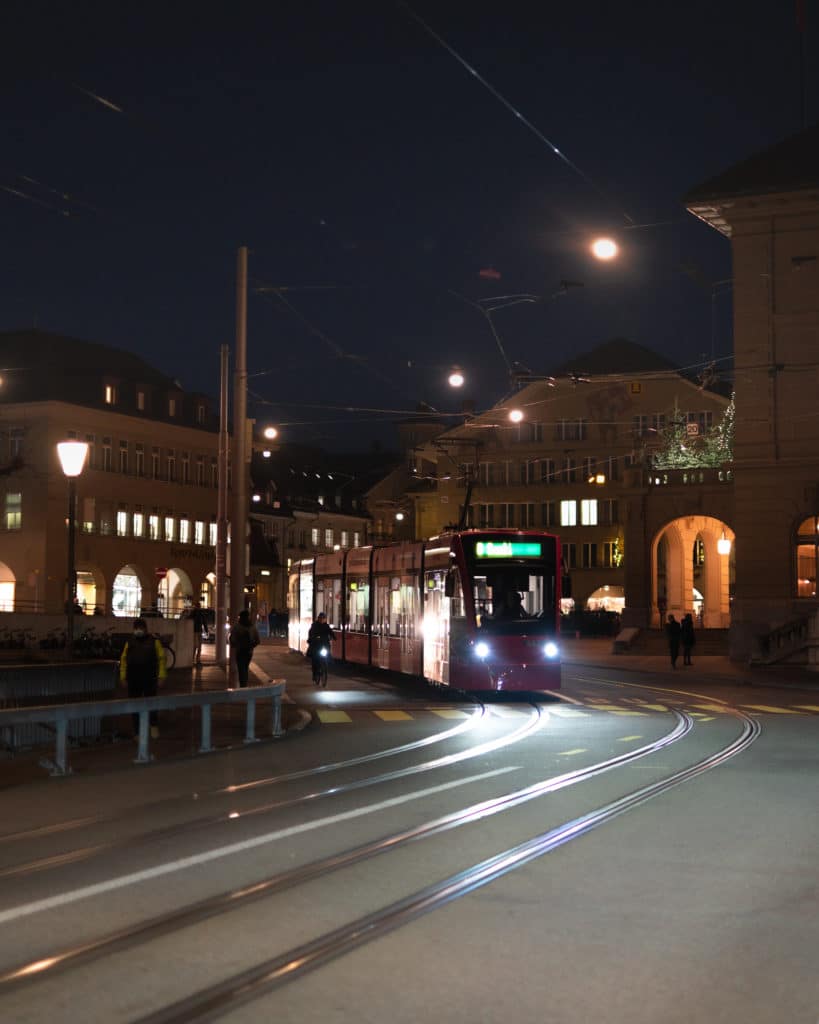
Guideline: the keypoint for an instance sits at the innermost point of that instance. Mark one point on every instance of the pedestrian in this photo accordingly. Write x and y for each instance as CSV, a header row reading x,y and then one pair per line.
x,y
672,631
200,625
243,638
142,666
687,638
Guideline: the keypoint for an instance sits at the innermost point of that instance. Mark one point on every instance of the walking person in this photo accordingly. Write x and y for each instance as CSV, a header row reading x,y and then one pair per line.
x,y
200,625
142,666
243,638
687,638
672,631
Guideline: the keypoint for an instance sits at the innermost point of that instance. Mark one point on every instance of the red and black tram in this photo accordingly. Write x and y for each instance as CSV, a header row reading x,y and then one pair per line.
x,y
475,610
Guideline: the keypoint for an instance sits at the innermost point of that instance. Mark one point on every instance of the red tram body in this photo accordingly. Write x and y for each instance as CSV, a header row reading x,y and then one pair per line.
x,y
475,610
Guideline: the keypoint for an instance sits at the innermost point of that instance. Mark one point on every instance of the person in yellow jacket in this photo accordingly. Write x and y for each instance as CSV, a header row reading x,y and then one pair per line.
x,y
142,666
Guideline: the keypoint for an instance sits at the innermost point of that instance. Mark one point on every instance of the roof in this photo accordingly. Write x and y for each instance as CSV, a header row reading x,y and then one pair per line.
x,y
786,166
617,356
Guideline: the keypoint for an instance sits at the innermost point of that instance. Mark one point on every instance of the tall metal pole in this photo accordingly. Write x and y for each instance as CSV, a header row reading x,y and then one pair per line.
x,y
72,567
238,526
222,510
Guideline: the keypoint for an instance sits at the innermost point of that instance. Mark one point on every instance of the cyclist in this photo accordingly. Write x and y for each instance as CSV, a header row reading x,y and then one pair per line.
x,y
319,638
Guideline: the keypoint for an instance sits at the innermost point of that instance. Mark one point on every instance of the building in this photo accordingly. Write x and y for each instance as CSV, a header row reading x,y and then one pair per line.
x,y
146,509
579,463
768,206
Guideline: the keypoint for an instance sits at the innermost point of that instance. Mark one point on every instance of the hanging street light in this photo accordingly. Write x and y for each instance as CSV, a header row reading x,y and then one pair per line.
x,y
72,455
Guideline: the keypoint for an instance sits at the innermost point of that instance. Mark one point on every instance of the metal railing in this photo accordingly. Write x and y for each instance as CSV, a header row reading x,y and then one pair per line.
x,y
59,716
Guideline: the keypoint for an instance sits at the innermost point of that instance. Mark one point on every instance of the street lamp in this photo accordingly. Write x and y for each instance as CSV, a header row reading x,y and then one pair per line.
x,y
604,248
72,459
270,433
724,545
456,377
516,415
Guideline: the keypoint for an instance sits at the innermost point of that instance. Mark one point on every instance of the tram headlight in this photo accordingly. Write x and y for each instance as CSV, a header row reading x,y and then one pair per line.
x,y
482,649
550,650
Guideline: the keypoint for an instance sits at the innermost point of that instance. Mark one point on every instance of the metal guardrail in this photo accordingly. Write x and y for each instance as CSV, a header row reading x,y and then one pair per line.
x,y
59,715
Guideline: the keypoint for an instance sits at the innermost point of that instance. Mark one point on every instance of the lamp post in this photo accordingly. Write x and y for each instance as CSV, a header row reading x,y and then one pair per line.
x,y
72,456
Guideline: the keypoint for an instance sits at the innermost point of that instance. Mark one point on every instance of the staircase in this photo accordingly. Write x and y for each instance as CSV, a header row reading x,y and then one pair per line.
x,y
795,641
709,643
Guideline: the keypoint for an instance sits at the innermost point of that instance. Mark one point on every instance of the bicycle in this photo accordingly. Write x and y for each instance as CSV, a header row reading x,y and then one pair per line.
x,y
320,660
170,653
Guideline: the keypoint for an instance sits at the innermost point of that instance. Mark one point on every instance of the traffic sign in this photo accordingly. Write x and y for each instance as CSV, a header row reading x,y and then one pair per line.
x,y
160,573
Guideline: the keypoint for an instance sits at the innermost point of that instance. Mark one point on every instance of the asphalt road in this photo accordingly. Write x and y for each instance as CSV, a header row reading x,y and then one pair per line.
x,y
640,848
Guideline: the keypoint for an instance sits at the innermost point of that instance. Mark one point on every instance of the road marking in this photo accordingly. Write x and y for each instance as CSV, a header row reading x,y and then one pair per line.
x,y
622,713
710,707
111,884
392,716
568,753
606,707
769,710
568,713
706,718
332,717
448,713
807,707
627,739
651,707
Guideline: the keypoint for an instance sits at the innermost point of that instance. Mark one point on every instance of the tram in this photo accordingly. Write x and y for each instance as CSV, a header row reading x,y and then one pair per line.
x,y
474,609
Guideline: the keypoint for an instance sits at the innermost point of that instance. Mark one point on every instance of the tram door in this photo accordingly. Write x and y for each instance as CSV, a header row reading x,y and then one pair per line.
x,y
436,627
381,622
408,618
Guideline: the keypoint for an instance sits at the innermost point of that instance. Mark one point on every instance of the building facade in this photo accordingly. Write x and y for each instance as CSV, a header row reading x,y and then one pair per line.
x,y
146,500
768,206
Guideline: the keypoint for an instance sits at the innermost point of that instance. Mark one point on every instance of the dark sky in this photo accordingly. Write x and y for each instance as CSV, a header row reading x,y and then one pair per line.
x,y
373,176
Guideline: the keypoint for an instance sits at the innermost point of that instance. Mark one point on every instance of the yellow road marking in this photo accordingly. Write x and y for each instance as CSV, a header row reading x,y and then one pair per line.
x,y
333,717
568,753
807,707
710,707
567,713
770,710
708,718
392,716
621,712
448,713
651,707
606,707
626,739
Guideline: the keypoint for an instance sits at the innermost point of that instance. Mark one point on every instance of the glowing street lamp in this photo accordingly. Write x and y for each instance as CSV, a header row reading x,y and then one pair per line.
x,y
72,455
724,545
456,378
515,415
604,248
270,433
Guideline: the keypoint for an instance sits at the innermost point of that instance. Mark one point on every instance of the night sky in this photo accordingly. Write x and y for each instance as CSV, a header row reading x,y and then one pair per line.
x,y
374,178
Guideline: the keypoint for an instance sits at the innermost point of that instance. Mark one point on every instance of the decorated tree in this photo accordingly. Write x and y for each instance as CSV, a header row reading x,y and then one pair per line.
x,y
678,449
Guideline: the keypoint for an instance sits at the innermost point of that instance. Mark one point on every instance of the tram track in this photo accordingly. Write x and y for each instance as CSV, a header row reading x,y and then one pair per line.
x,y
215,1000
47,831
163,924
232,818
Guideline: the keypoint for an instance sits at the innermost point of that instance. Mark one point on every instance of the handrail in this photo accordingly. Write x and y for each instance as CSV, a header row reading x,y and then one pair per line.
x,y
62,714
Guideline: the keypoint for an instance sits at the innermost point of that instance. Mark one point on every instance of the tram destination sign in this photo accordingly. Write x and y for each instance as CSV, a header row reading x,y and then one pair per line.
x,y
508,549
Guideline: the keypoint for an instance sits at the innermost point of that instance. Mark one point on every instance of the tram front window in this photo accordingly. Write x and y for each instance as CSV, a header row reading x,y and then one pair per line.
x,y
512,600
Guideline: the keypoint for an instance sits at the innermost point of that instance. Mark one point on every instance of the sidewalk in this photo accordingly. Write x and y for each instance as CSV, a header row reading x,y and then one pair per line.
x,y
717,669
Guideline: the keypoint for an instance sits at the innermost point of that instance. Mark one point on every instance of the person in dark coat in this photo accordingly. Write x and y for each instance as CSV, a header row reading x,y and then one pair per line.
x,y
687,638
142,666
243,638
319,635
672,631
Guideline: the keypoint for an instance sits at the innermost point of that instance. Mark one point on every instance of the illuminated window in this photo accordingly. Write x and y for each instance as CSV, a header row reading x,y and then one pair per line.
x,y
170,528
141,401
212,534
314,536
153,527
328,538
807,557
356,540
198,532
139,523
122,523
588,512
110,394
568,513
345,539
172,407
184,531
14,510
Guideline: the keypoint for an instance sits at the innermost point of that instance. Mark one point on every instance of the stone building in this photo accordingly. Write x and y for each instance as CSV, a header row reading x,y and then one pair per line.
x,y
768,207
578,464
146,508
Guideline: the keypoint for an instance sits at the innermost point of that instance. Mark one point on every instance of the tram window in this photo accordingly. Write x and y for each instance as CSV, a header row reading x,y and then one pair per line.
x,y
456,592
359,605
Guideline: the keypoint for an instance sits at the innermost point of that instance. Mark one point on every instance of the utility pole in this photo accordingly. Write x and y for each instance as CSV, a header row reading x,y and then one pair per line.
x,y
222,510
238,526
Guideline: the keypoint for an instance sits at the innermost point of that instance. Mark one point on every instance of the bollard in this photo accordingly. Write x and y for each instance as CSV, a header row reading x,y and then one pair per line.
x,y
143,754
250,730
205,745
61,756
